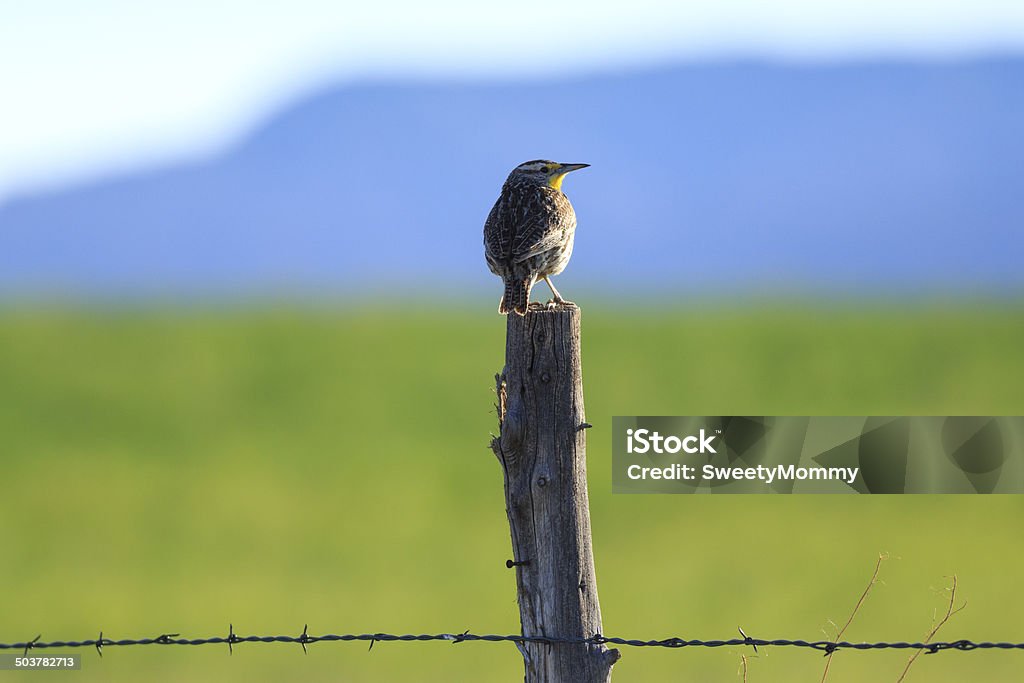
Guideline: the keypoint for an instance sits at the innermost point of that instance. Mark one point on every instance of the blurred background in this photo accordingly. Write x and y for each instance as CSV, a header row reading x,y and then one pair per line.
x,y
248,338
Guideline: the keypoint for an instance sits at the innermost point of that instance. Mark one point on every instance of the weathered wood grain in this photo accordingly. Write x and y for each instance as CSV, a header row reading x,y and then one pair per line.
x,y
542,449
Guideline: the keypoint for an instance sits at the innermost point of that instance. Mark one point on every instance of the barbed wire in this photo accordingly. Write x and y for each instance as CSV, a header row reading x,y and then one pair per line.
x,y
826,646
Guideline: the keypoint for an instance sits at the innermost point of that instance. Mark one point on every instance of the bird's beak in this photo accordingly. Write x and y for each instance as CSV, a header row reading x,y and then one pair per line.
x,y
568,168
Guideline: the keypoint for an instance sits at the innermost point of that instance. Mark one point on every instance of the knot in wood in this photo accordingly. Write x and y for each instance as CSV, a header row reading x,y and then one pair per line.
x,y
545,377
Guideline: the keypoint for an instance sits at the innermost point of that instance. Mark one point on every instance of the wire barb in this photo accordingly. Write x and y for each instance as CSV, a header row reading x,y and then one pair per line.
x,y
747,640
232,639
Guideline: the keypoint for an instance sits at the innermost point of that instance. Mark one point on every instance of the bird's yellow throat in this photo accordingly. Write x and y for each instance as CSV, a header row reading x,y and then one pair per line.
x,y
556,181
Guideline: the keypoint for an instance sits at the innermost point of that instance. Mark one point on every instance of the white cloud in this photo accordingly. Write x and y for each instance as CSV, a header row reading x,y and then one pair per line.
x,y
92,86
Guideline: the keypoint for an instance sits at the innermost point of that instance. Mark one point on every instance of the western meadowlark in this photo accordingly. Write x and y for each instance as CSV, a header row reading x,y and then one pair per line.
x,y
529,233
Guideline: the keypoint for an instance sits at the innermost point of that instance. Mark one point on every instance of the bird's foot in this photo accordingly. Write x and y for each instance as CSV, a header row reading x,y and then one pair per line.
x,y
558,301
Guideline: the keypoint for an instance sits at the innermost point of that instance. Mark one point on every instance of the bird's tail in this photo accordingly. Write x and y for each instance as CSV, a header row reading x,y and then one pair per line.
x,y
517,295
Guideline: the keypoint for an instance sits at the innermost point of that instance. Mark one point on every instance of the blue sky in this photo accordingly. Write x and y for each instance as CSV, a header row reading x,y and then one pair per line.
x,y
92,88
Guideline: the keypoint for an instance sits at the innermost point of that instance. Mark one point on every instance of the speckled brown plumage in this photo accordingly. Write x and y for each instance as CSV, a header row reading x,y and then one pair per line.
x,y
529,233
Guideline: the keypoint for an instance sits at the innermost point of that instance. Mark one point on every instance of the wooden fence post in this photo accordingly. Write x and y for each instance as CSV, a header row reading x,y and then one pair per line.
x,y
542,449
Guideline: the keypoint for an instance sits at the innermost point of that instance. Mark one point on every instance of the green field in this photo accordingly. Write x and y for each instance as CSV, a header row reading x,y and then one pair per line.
x,y
175,470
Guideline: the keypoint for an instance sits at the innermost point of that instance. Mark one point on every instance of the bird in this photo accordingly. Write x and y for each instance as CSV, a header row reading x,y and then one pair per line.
x,y
528,235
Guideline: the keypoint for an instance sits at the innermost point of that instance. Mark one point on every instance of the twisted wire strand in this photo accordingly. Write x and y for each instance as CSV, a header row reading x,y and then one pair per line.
x,y
304,639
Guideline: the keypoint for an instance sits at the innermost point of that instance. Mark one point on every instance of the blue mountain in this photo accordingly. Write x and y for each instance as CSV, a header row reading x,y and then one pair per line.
x,y
860,177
